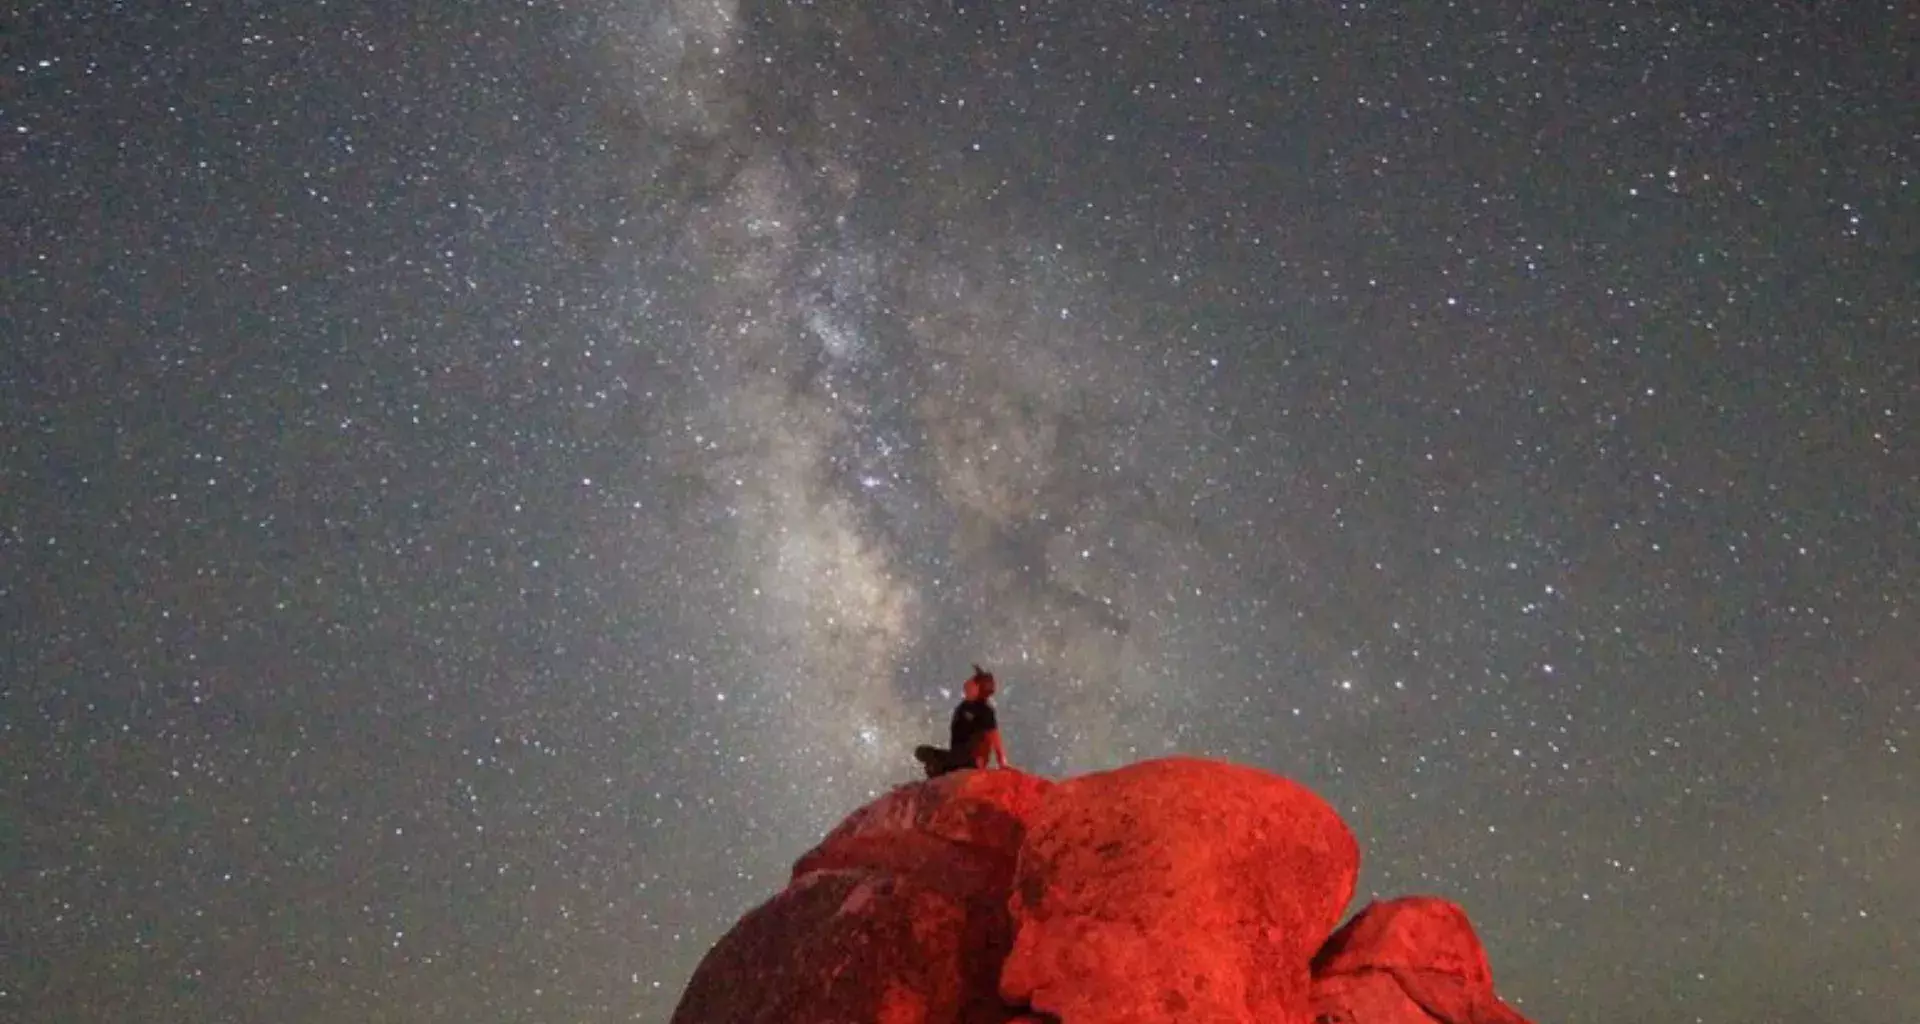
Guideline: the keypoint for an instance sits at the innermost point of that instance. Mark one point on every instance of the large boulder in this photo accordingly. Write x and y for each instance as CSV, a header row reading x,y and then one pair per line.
x,y
1413,960
899,916
1176,890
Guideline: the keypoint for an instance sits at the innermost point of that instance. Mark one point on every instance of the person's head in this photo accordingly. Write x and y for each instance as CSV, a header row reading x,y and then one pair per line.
x,y
981,684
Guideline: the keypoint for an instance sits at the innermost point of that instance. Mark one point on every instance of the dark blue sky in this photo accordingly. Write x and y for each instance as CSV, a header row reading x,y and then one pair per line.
x,y
487,485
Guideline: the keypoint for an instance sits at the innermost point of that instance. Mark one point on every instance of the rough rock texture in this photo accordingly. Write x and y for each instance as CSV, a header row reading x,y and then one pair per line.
x,y
1414,960
1176,890
897,917
966,821
1180,890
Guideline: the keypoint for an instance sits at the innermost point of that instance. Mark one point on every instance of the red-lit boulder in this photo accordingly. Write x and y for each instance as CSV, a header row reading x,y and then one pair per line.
x,y
1176,890
967,821
898,917
1179,890
1414,960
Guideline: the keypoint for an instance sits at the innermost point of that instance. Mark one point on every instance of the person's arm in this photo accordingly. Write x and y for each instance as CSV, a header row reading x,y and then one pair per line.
x,y
996,749
983,748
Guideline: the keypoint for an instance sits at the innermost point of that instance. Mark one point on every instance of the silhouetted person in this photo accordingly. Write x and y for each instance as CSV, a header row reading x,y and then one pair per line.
x,y
973,736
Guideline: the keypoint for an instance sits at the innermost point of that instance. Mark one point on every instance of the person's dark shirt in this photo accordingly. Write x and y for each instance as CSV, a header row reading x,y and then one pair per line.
x,y
972,721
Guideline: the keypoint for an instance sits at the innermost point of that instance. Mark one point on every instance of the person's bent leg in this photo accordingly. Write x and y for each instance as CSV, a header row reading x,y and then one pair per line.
x,y
935,760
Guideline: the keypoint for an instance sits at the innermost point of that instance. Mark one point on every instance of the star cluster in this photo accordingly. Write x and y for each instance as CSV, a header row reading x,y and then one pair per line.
x,y
487,485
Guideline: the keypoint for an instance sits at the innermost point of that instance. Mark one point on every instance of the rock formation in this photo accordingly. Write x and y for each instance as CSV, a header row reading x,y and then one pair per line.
x,y
1414,960
1232,876
1172,890
898,917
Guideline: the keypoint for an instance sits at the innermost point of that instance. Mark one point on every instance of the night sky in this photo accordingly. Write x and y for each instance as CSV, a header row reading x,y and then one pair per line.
x,y
484,486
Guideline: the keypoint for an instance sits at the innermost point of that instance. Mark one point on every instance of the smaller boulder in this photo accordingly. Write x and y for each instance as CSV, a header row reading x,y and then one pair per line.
x,y
1413,960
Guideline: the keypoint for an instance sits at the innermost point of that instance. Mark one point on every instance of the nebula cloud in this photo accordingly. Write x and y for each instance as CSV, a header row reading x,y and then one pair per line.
x,y
933,436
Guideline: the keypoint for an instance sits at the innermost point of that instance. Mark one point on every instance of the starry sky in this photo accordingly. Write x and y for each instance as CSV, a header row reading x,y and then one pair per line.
x,y
486,485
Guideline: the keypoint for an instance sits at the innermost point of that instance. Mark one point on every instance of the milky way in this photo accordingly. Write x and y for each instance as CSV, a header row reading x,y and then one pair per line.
x,y
924,436
488,485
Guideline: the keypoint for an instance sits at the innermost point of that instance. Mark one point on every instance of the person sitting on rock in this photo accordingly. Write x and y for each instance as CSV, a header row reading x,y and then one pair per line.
x,y
974,735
